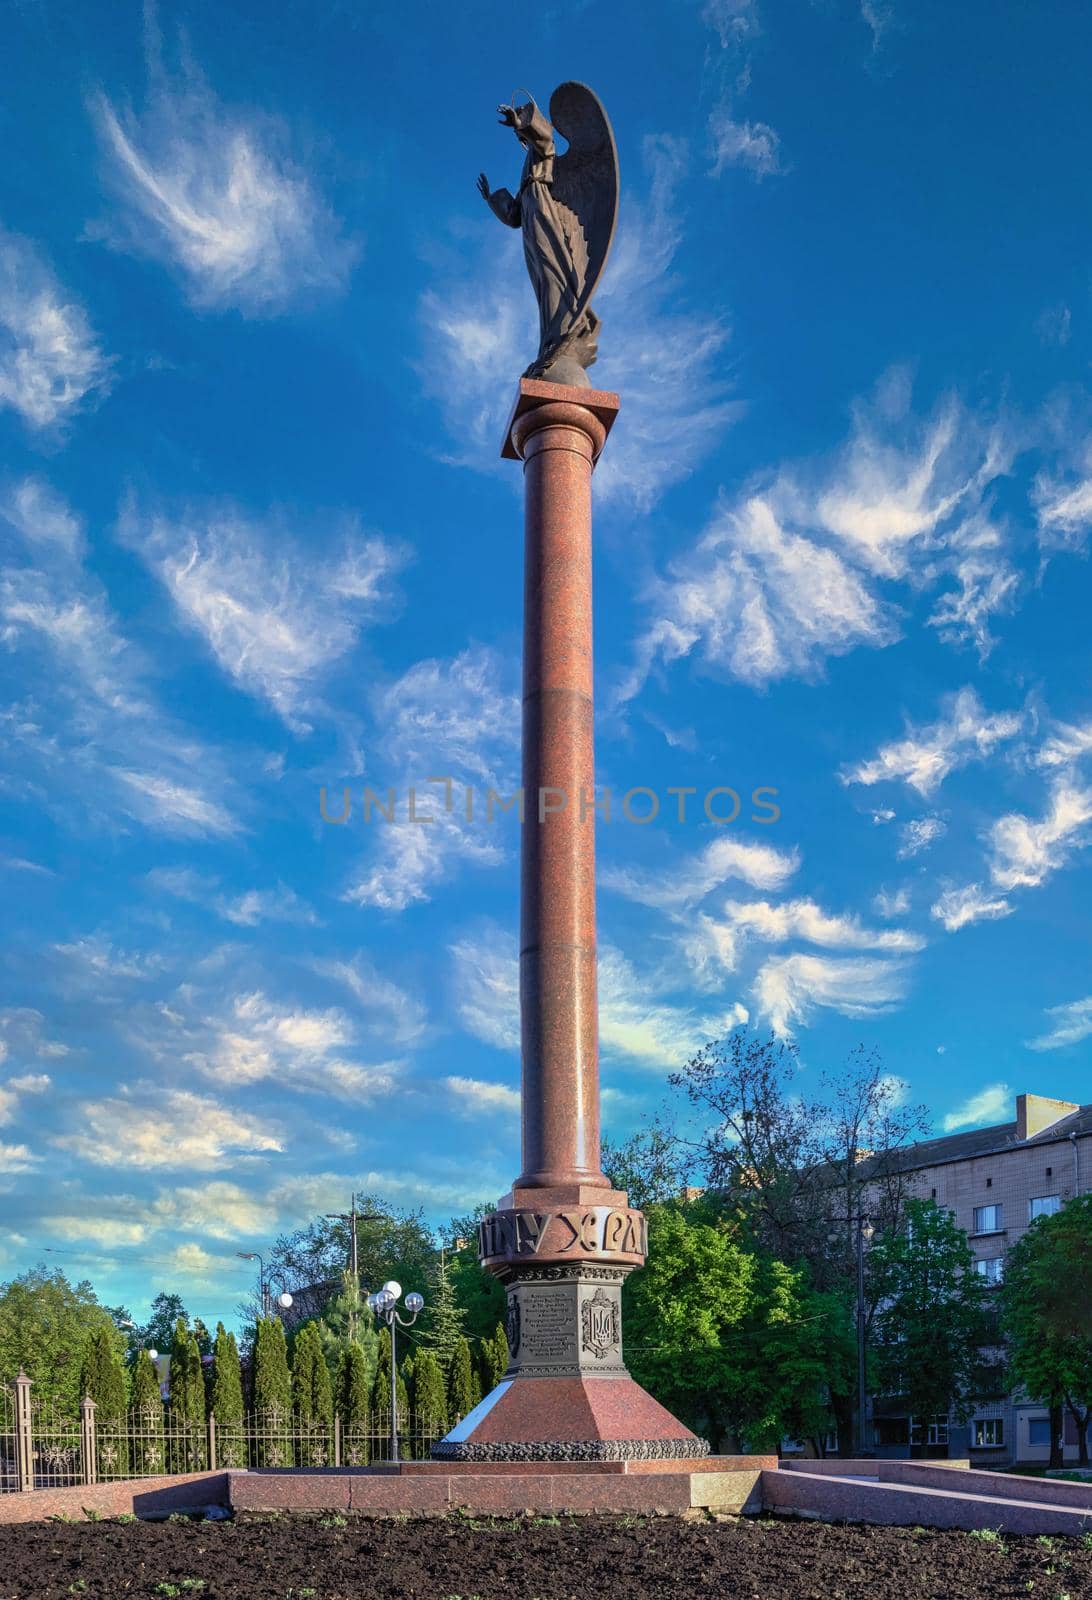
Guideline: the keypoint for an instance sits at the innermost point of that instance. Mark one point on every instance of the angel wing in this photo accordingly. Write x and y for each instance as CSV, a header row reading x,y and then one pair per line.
x,y
585,182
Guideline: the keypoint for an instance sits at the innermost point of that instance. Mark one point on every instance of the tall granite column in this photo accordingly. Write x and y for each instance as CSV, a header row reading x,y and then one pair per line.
x,y
563,1241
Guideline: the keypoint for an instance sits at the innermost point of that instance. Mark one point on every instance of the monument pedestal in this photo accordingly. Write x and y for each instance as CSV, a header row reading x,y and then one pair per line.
x,y
563,1242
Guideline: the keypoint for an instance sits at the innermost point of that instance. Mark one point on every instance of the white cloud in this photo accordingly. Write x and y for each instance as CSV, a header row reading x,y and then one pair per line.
x,y
751,145
990,1105
14,1089
485,983
733,20
475,1097
787,989
215,194
479,335
397,1014
16,1159
166,1129
1054,325
454,719
958,908
965,732
1070,1024
1064,508
919,834
689,879
723,938
246,909
258,1039
276,615
877,18
1068,744
103,1230
91,709
891,903
50,361
1024,853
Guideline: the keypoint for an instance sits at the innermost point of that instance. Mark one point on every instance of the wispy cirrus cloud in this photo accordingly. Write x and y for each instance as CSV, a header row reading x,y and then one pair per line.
x,y
1068,744
919,835
479,333
51,362
963,733
690,878
1070,1024
454,719
798,567
1024,852
736,141
989,1105
959,908
91,722
788,989
276,614
217,195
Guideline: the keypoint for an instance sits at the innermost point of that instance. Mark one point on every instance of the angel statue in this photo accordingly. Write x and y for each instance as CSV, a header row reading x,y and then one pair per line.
x,y
566,207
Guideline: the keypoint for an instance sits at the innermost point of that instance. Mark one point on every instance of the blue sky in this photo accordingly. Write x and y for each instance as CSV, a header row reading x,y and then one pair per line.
x,y
258,335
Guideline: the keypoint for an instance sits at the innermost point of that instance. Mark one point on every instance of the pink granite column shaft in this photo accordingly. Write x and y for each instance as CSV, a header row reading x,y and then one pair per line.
x,y
559,442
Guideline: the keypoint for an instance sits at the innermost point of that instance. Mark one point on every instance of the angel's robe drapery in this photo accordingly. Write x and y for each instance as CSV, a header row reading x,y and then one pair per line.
x,y
547,248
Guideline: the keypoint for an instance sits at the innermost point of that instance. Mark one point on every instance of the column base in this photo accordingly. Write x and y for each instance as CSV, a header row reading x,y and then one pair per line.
x,y
570,1419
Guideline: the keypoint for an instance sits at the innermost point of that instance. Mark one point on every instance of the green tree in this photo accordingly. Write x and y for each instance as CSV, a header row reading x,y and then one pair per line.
x,y
344,1316
478,1293
312,1397
146,1414
460,1382
102,1379
651,1166
928,1334
45,1324
444,1320
187,1402
791,1165
1046,1307
226,1400
158,1332
390,1244
494,1358
272,1393
352,1401
429,1394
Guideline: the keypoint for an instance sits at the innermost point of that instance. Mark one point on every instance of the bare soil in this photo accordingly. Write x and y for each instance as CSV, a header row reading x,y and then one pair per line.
x,y
583,1558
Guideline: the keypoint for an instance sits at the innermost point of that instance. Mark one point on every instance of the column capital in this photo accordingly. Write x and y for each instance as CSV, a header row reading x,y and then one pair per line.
x,y
534,395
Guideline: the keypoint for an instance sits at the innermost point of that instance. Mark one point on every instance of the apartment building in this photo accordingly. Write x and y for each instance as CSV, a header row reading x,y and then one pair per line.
x,y
996,1181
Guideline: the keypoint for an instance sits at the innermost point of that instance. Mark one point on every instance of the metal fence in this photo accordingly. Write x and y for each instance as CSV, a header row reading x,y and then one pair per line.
x,y
45,1446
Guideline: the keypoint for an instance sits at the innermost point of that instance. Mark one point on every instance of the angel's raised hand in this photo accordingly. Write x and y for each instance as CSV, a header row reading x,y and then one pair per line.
x,y
483,185
507,115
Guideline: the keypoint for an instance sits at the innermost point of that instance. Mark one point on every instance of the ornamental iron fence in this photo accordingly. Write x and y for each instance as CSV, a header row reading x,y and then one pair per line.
x,y
43,1445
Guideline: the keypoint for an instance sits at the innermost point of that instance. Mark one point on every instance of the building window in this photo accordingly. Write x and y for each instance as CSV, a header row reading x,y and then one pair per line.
x,y
929,1431
989,1183
989,1219
990,1269
1045,1206
932,1194
1039,1431
1050,1172
988,1434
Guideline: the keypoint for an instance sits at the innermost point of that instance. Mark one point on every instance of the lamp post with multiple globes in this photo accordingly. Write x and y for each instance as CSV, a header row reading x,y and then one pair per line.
x,y
385,1305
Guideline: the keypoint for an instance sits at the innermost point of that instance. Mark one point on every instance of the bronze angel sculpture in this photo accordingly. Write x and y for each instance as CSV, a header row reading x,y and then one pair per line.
x,y
566,206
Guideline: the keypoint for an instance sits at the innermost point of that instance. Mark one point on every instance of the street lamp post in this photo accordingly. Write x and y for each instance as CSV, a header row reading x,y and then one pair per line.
x,y
385,1305
865,1231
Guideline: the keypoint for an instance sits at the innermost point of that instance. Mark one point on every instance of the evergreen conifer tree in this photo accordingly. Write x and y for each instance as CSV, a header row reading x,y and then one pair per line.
x,y
460,1382
102,1379
272,1393
494,1358
146,1411
429,1395
187,1403
312,1397
226,1400
443,1321
351,1399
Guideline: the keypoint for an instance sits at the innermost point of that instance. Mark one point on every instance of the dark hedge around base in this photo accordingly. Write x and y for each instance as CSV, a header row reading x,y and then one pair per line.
x,y
575,1450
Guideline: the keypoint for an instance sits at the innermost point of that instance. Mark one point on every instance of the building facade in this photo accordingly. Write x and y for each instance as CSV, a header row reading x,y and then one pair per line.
x,y
996,1181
